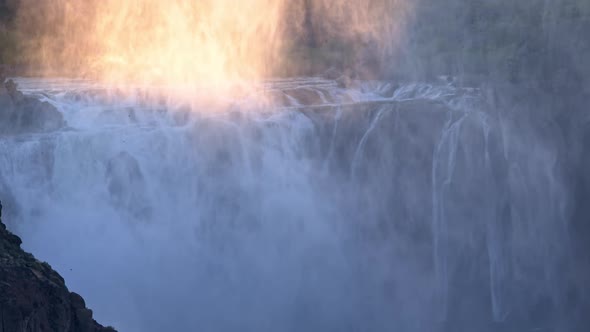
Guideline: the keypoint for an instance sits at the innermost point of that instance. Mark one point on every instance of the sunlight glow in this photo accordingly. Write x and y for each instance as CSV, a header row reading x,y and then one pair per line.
x,y
213,43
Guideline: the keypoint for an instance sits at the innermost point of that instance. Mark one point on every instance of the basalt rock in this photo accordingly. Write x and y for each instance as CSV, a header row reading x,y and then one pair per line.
x,y
126,184
34,297
25,114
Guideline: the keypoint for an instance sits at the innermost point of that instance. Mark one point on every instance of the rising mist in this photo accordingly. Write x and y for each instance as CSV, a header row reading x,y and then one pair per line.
x,y
381,166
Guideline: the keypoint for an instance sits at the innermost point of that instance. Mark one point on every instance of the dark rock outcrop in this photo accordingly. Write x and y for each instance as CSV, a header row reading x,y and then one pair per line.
x,y
125,182
33,297
20,113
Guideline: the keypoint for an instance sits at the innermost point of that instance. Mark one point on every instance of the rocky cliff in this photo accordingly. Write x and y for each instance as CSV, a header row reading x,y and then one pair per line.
x,y
33,297
25,114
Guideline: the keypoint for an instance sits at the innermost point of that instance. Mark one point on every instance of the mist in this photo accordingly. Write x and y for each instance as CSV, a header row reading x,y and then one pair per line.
x,y
200,42
383,165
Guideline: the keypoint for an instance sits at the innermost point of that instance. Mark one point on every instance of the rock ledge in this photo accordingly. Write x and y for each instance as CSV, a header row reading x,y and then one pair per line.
x,y
25,114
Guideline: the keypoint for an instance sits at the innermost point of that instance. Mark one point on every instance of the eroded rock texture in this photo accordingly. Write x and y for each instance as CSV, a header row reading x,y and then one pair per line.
x,y
34,298
23,114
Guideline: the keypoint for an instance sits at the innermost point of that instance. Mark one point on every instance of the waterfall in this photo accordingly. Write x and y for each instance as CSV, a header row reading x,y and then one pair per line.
x,y
373,207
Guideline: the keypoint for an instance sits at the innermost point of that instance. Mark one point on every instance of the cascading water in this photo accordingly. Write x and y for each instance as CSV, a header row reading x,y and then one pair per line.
x,y
376,207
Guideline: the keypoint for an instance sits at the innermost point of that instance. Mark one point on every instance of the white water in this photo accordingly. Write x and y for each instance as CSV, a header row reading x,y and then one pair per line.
x,y
334,210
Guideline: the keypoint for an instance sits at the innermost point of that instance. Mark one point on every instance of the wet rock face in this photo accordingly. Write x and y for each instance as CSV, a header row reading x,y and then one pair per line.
x,y
126,184
33,297
22,114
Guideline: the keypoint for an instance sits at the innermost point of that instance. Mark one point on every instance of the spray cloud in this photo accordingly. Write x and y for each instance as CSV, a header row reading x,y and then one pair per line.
x,y
205,41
